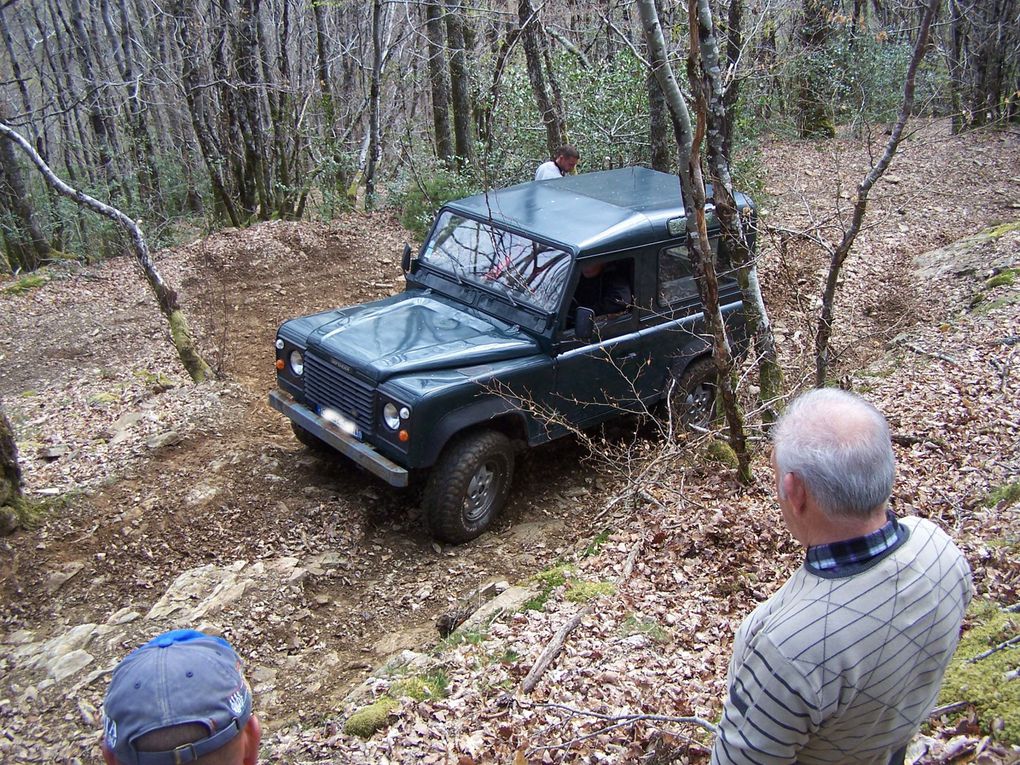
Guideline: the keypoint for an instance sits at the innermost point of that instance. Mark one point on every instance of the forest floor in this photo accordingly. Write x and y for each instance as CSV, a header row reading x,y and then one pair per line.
x,y
171,504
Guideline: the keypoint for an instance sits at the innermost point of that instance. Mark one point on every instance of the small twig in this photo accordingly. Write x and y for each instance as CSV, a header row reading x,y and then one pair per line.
x,y
1009,340
553,648
616,721
947,709
1000,647
933,354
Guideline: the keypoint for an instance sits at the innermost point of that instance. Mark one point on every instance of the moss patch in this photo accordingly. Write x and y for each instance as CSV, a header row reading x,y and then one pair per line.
x,y
367,720
1005,278
1007,494
596,544
26,284
634,625
555,576
982,683
1004,229
582,592
721,453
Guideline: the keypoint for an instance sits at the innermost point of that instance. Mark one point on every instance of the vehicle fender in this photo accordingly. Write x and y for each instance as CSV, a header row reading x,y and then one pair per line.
x,y
475,413
697,348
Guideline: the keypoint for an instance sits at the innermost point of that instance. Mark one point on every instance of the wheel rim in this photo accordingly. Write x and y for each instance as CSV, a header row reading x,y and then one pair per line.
x,y
482,491
699,405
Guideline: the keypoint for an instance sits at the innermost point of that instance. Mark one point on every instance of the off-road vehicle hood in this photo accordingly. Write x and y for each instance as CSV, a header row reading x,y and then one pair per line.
x,y
414,333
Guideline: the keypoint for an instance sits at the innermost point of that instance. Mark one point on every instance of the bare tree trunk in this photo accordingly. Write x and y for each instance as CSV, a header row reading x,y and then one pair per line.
x,y
824,332
99,118
196,96
693,188
555,128
459,83
658,126
10,477
24,241
439,80
165,296
735,239
374,146
142,149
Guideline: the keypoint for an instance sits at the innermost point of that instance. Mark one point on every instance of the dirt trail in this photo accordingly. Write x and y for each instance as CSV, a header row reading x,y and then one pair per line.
x,y
315,571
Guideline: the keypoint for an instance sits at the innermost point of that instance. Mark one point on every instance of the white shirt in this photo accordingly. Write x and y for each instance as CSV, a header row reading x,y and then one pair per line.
x,y
547,171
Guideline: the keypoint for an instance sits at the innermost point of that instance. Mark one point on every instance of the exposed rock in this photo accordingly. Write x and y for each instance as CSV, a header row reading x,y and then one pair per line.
x,y
201,592
170,438
123,616
57,579
509,600
70,664
8,520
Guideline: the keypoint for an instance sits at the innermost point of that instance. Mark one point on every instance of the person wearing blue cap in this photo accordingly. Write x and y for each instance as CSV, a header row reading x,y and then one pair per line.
x,y
180,698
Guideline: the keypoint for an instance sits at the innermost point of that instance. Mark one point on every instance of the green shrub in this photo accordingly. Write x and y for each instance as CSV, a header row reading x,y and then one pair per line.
x,y
425,191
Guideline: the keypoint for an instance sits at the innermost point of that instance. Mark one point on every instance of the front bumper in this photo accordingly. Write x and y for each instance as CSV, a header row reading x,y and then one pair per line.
x,y
361,453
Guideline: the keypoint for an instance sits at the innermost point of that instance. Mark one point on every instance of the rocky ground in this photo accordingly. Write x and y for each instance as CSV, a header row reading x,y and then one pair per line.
x,y
179,505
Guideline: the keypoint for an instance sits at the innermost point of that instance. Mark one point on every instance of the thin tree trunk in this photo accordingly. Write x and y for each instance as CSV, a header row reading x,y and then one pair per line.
x,y
102,124
165,296
824,332
459,83
24,241
374,103
195,96
735,239
530,36
10,476
693,189
439,80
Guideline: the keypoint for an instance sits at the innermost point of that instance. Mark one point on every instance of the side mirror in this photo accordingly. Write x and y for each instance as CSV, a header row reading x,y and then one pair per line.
x,y
584,323
405,260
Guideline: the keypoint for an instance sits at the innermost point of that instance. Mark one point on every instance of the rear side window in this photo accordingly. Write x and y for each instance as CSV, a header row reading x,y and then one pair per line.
x,y
676,277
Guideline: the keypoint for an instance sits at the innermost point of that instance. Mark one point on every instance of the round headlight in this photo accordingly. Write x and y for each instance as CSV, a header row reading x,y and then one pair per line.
x,y
297,362
391,416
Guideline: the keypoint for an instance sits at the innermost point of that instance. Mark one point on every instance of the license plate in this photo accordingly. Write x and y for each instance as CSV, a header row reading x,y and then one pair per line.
x,y
342,421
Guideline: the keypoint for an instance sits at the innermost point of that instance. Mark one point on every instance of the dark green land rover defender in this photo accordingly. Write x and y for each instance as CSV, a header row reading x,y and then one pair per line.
x,y
529,311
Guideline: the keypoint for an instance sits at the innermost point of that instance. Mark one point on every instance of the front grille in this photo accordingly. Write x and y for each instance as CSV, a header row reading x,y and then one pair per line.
x,y
326,385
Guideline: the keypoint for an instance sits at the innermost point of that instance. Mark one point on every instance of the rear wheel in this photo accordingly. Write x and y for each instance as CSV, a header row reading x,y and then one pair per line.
x,y
469,485
312,442
692,394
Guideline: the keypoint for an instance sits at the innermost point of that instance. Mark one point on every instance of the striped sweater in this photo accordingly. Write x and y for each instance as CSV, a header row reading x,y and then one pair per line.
x,y
841,667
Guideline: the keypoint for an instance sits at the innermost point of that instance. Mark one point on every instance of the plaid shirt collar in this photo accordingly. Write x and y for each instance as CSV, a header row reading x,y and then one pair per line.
x,y
853,552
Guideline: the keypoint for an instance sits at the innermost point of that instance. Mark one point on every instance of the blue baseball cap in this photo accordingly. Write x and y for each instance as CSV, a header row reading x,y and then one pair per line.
x,y
180,677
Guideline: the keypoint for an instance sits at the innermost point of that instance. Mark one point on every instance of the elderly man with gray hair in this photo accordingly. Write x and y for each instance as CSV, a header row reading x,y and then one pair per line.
x,y
844,662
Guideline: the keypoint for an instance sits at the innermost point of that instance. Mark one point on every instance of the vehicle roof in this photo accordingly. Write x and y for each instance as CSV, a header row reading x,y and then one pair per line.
x,y
589,213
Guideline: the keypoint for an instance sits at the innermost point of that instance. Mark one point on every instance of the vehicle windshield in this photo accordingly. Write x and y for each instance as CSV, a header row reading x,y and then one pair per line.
x,y
523,270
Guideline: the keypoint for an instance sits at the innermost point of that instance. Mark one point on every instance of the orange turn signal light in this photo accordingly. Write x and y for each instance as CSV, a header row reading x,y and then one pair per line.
x,y
404,436
279,364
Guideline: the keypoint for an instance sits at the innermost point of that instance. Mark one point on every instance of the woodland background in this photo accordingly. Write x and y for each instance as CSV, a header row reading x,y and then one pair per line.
x,y
199,114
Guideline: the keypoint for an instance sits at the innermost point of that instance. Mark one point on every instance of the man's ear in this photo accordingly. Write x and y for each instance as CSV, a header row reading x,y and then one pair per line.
x,y
252,736
794,492
107,754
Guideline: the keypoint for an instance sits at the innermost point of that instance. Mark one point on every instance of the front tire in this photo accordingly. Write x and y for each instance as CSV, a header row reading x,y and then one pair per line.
x,y
314,443
692,394
468,486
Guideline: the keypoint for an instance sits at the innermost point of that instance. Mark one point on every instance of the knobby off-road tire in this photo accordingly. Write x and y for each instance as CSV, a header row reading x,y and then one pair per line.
x,y
314,443
692,394
468,486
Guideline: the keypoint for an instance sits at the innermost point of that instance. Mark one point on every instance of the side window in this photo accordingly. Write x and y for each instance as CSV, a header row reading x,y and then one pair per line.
x,y
676,277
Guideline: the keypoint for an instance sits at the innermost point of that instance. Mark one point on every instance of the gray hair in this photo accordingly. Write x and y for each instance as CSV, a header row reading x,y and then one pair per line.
x,y
838,445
